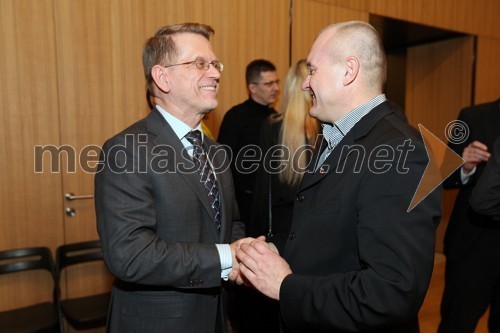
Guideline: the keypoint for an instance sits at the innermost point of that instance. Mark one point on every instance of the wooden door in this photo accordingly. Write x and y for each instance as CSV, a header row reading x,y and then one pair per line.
x,y
101,89
96,73
439,84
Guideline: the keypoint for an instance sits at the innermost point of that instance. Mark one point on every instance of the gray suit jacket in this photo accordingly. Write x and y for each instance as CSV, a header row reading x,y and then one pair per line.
x,y
158,231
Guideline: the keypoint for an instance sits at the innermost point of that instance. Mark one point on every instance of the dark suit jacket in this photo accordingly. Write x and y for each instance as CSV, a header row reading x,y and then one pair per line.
x,y
466,227
485,198
360,261
158,231
240,131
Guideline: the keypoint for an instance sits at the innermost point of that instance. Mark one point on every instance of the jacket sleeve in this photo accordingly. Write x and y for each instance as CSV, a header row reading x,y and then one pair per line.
x,y
127,203
455,180
485,198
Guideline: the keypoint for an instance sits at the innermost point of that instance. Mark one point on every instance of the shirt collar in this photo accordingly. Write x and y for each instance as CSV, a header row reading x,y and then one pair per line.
x,y
180,128
342,126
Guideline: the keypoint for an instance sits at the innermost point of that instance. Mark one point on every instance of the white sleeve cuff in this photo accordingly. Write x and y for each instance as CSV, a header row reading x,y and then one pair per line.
x,y
226,260
465,177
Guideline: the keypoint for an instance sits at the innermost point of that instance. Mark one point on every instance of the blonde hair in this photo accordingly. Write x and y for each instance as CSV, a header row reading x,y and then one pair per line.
x,y
298,127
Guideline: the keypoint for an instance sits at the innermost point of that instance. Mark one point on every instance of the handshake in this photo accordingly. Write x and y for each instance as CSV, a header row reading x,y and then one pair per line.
x,y
258,264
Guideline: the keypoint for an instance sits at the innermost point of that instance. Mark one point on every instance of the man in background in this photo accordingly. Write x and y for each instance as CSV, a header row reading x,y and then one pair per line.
x,y
240,129
485,198
472,240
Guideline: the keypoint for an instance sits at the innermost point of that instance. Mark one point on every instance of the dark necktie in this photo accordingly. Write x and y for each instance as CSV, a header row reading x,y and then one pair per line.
x,y
206,173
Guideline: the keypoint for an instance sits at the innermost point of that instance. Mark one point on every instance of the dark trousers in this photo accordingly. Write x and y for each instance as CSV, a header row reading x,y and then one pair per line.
x,y
252,312
471,284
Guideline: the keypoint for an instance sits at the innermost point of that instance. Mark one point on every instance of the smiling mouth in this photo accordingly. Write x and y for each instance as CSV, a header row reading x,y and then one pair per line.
x,y
209,88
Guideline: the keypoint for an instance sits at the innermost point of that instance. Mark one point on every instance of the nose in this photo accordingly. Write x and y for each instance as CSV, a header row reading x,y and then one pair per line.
x,y
213,72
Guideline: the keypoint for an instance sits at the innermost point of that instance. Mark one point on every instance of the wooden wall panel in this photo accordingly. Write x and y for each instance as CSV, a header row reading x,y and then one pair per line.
x,y
101,85
474,17
439,77
100,78
29,116
439,84
487,82
310,16
244,31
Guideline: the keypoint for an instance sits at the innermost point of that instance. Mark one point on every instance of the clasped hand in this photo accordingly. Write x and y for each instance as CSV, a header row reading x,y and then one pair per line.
x,y
258,264
474,154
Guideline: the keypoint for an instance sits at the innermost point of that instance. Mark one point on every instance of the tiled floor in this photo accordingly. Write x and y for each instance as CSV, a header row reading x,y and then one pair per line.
x,y
429,313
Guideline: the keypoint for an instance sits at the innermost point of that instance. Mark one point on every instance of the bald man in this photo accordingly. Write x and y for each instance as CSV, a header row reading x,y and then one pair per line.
x,y
356,260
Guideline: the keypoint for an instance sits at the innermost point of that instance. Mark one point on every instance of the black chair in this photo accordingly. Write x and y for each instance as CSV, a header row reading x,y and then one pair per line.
x,y
40,317
81,312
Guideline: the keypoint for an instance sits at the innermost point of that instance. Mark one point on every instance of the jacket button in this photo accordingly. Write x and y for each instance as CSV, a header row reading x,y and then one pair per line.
x,y
300,197
291,236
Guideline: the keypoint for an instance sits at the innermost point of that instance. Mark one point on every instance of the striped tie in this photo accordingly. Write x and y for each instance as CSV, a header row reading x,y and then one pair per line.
x,y
206,173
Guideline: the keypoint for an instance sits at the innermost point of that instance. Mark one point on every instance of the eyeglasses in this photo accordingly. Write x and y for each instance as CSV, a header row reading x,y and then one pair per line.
x,y
311,69
268,84
202,64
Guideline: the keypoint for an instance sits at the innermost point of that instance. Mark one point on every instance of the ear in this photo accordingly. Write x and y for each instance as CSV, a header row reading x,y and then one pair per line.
x,y
252,88
160,76
351,70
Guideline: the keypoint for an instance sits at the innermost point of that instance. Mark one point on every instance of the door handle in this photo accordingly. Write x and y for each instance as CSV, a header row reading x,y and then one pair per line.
x,y
70,211
70,196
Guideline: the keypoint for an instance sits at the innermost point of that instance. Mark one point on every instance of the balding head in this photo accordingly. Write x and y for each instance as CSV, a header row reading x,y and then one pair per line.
x,y
358,39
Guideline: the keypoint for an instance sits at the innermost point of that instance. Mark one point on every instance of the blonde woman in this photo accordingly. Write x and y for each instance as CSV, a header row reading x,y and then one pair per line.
x,y
291,134
288,134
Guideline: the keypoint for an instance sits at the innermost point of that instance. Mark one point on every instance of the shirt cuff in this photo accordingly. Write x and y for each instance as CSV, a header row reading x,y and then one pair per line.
x,y
465,177
226,260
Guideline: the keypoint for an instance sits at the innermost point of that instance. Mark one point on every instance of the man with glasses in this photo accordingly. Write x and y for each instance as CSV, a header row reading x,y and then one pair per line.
x,y
241,125
166,212
240,130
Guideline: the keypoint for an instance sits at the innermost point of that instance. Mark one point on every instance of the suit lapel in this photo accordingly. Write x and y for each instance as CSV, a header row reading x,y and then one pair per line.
x,y
329,165
165,135
340,153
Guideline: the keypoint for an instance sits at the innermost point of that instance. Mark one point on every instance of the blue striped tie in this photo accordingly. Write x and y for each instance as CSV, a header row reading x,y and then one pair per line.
x,y
206,173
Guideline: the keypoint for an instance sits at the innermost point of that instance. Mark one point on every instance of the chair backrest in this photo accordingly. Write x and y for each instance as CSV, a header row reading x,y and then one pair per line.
x,y
24,259
76,253
41,316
